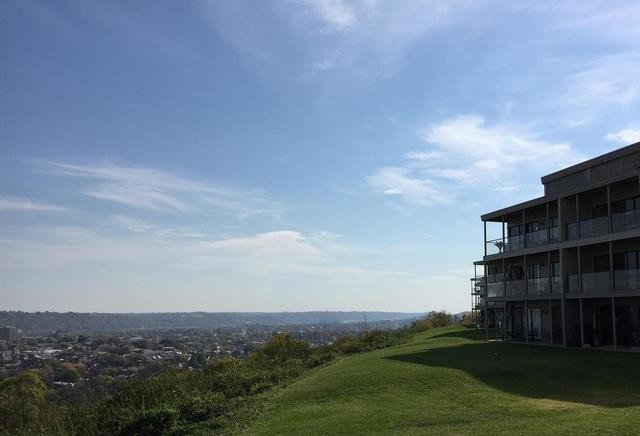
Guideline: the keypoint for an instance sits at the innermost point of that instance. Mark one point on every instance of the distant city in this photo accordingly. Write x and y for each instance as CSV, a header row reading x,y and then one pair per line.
x,y
82,352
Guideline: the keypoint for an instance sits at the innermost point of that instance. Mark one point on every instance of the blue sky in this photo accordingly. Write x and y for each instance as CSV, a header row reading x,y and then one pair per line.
x,y
292,154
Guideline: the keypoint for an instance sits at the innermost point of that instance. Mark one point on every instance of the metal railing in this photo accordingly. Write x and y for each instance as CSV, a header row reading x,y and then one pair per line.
x,y
495,246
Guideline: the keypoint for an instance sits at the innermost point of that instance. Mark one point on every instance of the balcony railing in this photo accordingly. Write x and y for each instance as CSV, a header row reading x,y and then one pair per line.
x,y
554,234
538,286
623,221
594,227
595,282
495,246
537,238
573,283
556,284
515,288
495,289
572,231
627,279
514,243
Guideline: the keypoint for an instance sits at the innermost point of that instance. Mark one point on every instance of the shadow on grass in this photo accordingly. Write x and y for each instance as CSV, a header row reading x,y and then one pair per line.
x,y
579,376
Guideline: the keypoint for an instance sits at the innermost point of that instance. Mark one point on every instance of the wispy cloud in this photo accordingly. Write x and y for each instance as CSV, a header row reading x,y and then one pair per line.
x,y
275,253
369,38
466,152
411,187
26,205
624,136
157,190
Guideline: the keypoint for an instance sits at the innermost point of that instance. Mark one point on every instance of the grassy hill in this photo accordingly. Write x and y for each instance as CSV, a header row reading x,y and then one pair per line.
x,y
449,381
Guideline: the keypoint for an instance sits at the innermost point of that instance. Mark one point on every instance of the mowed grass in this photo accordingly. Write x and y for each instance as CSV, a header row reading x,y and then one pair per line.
x,y
449,381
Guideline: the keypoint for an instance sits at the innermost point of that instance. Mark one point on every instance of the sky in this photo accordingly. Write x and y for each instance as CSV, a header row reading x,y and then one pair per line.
x,y
289,155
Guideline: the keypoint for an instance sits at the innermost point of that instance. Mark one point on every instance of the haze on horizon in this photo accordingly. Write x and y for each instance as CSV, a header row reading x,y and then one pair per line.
x,y
290,154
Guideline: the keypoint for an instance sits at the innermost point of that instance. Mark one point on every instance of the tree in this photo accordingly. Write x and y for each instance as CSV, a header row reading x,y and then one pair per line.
x,y
439,319
21,398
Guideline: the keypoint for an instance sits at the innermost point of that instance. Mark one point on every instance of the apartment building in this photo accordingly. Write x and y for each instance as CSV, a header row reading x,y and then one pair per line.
x,y
564,269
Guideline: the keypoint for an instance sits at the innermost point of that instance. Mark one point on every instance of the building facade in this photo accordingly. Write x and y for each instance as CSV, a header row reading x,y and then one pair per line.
x,y
564,269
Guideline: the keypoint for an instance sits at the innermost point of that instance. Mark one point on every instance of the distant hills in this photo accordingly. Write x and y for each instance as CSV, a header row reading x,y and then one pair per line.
x,y
45,322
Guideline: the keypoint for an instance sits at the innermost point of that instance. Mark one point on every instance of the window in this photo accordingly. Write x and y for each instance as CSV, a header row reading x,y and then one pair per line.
x,y
535,226
628,205
601,263
628,260
536,270
515,230
599,211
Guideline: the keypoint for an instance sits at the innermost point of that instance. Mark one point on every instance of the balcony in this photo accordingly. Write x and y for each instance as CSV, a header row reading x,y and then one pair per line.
x,y
572,231
556,284
573,283
537,238
495,246
596,282
554,234
627,279
514,243
515,288
495,285
594,227
538,286
624,221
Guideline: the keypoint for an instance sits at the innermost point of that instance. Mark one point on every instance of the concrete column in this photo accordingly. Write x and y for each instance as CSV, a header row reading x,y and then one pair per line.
x,y
526,321
609,222
581,326
485,237
550,323
562,292
615,327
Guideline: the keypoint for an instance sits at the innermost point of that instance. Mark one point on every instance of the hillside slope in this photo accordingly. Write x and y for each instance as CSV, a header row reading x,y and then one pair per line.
x,y
449,381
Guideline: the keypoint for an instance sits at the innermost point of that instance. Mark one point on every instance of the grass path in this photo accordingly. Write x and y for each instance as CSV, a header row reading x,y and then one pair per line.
x,y
449,381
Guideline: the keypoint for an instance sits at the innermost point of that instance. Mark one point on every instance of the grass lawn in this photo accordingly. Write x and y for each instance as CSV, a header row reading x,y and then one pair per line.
x,y
449,381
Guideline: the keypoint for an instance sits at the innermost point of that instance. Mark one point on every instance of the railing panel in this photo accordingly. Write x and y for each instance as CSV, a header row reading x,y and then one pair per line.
x,y
594,227
627,279
515,288
623,221
596,282
538,286
537,238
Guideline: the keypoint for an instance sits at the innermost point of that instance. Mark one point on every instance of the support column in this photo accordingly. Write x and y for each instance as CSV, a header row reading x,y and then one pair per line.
x,y
609,223
580,293
526,321
550,323
526,298
562,292
578,215
581,326
615,327
612,287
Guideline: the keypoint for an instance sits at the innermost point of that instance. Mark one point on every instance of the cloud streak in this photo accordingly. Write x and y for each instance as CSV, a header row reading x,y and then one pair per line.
x,y
25,205
161,191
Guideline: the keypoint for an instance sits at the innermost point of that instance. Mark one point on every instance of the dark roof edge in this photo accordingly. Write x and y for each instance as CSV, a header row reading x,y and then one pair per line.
x,y
514,208
591,162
